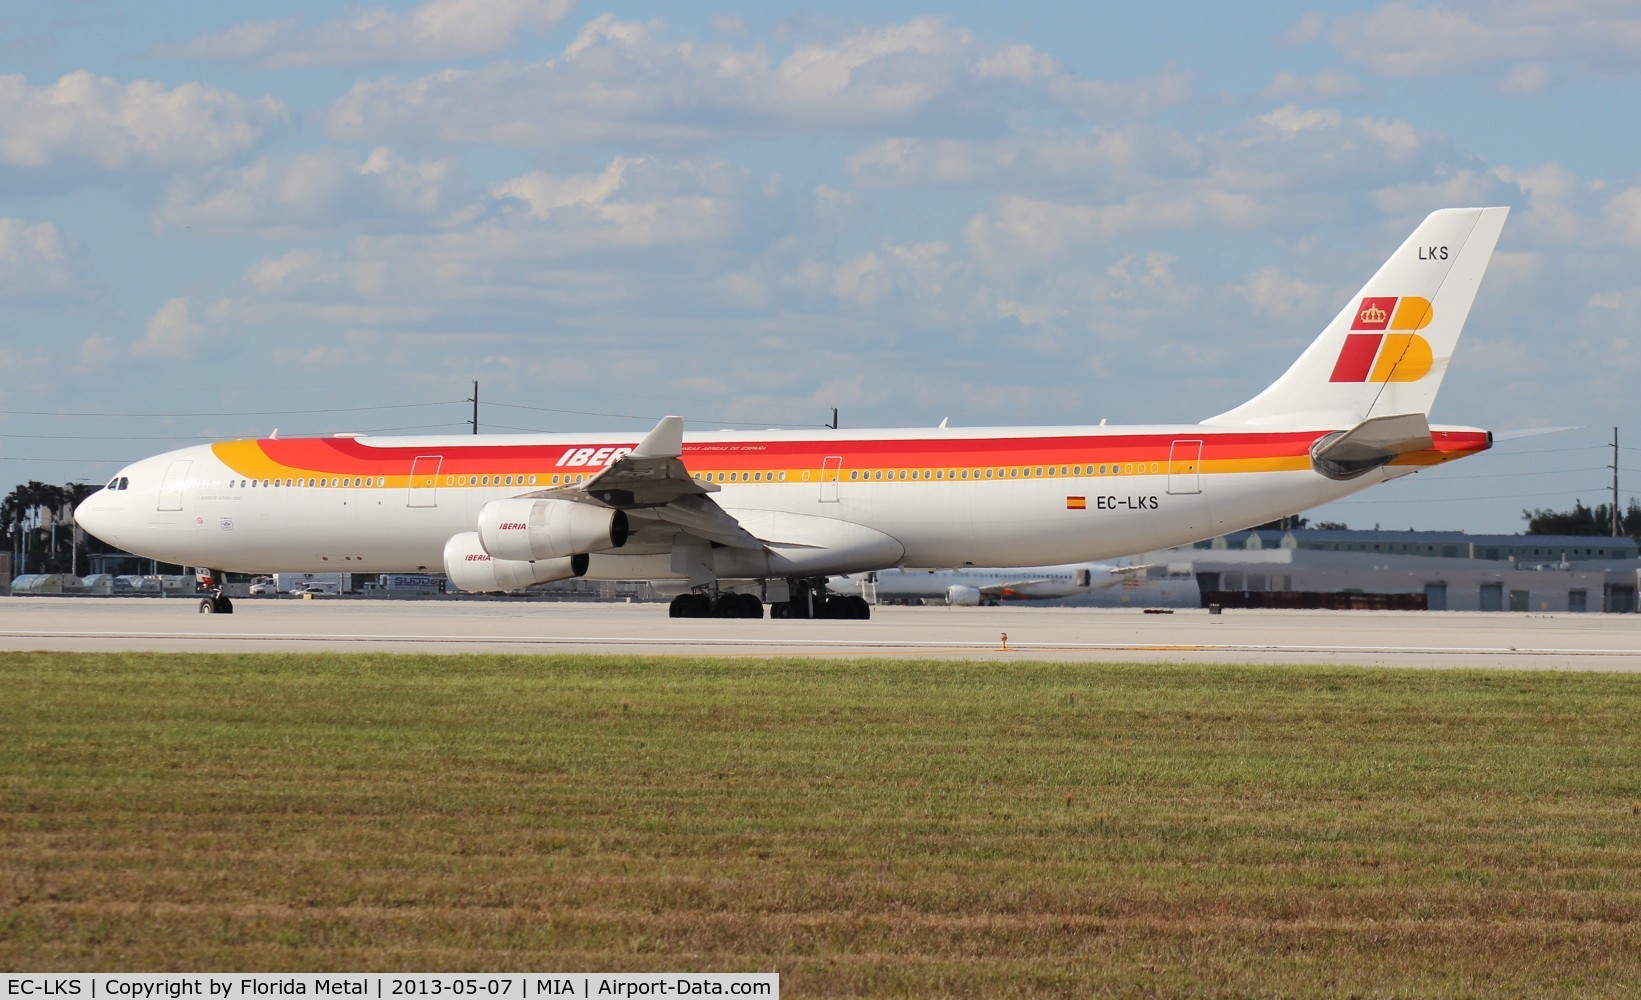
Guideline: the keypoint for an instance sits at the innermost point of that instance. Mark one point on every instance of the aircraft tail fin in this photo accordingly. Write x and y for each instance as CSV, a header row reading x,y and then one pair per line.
x,y
1387,350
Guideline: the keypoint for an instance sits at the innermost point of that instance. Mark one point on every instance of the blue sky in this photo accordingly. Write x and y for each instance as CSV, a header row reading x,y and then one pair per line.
x,y
220,219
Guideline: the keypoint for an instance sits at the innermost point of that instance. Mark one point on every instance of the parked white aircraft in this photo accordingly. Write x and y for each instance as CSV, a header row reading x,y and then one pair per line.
x,y
970,586
746,517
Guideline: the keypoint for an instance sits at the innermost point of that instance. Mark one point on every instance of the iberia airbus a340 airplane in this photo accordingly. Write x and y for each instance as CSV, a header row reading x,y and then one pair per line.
x,y
738,519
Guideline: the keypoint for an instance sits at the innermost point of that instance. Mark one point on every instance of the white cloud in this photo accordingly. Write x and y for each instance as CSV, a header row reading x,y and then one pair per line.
x,y
627,80
271,275
97,351
1273,293
434,29
325,188
85,121
1416,198
172,333
34,260
1526,80
545,193
1623,214
1307,29
632,202
1021,230
922,272
1407,39
1327,85
906,161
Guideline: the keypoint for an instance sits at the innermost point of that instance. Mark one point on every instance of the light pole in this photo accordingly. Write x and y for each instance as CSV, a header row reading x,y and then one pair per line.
x,y
75,536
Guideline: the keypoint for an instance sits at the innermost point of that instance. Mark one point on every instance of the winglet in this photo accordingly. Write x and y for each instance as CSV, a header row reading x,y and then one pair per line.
x,y
665,441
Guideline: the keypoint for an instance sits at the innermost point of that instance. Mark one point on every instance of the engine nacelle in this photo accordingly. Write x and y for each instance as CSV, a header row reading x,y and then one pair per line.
x,y
530,530
472,569
959,596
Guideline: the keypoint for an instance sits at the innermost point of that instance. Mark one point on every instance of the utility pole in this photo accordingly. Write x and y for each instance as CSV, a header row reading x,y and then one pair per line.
x,y
475,406
1615,482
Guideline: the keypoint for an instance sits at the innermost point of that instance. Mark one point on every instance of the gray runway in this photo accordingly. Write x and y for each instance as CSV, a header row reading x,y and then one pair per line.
x,y
1401,639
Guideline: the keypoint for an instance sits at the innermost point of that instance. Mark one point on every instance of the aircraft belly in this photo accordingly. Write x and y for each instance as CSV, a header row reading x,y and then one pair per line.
x,y
324,530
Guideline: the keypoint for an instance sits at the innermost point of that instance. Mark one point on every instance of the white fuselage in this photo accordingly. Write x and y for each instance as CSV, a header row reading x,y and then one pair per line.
x,y
872,499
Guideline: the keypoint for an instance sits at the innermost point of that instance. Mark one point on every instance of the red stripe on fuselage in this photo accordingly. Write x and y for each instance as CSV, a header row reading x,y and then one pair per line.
x,y
350,456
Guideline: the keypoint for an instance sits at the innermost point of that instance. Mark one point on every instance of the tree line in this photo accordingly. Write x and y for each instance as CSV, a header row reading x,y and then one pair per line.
x,y
1582,520
30,515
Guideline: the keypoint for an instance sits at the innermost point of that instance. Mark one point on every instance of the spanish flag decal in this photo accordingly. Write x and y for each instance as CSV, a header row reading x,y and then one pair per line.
x,y
1076,503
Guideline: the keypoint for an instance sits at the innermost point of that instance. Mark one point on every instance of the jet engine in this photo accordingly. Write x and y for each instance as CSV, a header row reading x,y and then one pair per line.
x,y
472,569
528,530
959,596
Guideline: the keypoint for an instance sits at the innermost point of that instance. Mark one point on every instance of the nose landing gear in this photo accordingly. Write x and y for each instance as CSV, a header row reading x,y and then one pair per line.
x,y
216,602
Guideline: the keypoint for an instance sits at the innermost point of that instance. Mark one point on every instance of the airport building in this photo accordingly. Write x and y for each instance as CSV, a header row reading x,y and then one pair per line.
x,y
1438,570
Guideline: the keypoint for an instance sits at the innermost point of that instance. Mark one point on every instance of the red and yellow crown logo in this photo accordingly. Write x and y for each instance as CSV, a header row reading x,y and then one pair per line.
x,y
1386,357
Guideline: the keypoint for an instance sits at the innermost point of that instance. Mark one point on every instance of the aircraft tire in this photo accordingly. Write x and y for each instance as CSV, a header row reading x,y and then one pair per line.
x,y
751,607
224,606
207,606
689,606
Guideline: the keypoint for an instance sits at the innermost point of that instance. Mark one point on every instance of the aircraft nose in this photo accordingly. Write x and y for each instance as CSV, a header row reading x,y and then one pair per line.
x,y
96,515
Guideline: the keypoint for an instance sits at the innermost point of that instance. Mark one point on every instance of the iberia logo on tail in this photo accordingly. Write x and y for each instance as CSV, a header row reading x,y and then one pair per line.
x,y
1386,356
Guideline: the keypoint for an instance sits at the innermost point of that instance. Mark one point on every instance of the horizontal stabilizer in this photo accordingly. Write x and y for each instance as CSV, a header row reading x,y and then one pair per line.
x,y
1370,444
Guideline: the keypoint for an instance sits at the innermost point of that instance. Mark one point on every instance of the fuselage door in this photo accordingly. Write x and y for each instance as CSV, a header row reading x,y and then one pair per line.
x,y
176,477
424,481
1185,467
831,470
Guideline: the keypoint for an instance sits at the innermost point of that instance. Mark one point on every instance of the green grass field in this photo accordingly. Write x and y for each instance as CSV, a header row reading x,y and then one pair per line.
x,y
881,827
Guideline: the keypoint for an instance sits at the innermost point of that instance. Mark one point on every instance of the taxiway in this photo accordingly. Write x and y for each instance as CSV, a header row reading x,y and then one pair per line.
x,y
1400,639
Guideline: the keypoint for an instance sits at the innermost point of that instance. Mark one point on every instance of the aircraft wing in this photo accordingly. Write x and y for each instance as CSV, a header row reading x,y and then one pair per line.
x,y
652,485
1021,588
1010,588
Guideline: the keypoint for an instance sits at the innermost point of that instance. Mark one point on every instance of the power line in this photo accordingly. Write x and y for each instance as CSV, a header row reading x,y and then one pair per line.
x,y
235,413
1495,496
1512,475
1498,450
71,461
643,416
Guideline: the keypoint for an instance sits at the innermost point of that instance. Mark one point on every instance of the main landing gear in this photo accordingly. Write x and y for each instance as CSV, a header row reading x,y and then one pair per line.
x,y
808,600
215,602
724,606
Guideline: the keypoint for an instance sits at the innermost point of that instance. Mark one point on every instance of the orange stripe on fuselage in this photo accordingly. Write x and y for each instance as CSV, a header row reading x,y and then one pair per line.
x,y
1147,454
